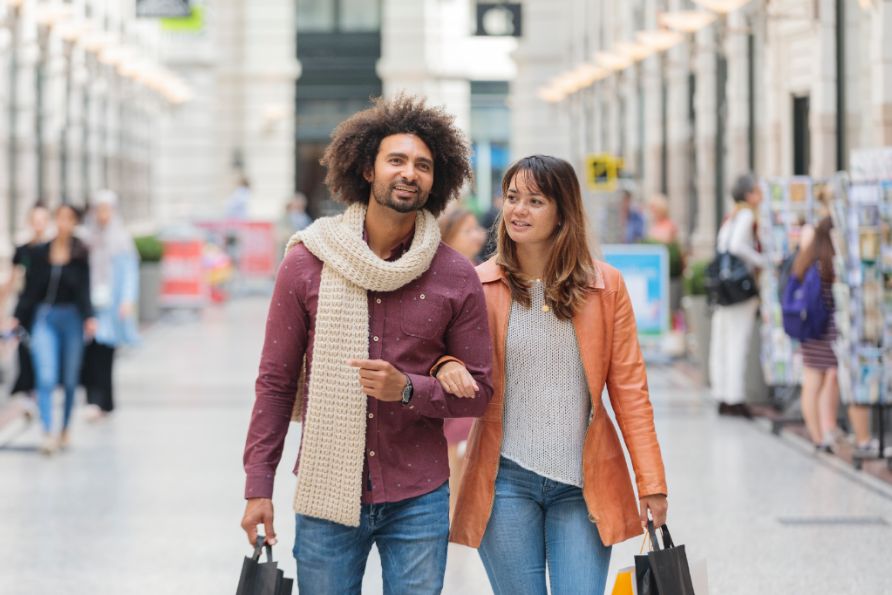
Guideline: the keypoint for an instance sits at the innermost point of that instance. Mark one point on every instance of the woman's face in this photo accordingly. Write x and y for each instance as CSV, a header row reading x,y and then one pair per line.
x,y
754,197
66,221
529,216
103,214
468,238
40,220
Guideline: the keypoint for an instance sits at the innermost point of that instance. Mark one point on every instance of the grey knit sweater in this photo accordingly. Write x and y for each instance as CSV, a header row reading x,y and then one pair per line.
x,y
547,404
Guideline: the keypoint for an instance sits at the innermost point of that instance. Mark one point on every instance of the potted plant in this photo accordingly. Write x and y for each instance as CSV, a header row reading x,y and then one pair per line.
x,y
697,312
150,251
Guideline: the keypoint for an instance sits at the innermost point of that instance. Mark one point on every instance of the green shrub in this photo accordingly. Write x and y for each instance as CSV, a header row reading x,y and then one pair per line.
x,y
695,278
149,247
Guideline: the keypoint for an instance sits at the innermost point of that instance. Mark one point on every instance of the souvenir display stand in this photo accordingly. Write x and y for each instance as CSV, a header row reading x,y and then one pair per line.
x,y
787,205
862,239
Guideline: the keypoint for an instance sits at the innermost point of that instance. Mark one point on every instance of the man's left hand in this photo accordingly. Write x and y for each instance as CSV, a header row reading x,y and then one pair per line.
x,y
658,506
379,379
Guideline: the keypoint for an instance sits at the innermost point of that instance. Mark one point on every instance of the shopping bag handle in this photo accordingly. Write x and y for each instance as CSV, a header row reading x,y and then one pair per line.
x,y
667,538
259,545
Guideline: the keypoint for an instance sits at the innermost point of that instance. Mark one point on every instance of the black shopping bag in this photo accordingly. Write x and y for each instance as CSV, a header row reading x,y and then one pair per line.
x,y
663,571
262,578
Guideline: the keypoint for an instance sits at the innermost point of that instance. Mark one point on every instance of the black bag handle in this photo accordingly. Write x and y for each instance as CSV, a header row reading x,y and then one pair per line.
x,y
667,538
258,546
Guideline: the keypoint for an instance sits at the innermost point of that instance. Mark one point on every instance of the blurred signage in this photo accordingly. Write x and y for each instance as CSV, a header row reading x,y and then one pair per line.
x,y
499,19
192,23
250,244
162,8
183,281
602,171
645,270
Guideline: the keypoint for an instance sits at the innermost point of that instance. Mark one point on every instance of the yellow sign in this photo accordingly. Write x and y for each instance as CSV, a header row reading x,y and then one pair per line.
x,y
602,171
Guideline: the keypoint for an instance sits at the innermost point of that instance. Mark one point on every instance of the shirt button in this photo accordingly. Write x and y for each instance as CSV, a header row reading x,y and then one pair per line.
x,y
371,453
371,415
378,300
421,296
375,338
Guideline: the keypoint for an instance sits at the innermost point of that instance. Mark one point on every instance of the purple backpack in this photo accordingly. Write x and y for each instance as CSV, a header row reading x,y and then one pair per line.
x,y
804,312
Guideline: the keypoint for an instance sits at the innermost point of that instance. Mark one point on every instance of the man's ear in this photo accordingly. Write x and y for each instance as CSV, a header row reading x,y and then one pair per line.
x,y
368,175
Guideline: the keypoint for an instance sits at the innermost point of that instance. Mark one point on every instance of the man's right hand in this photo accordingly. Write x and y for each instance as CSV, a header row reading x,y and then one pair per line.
x,y
259,511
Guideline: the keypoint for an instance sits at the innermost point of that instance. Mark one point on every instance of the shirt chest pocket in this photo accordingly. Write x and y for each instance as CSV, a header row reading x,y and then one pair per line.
x,y
423,315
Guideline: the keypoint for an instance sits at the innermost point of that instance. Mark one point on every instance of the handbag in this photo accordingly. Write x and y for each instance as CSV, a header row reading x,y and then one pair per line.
x,y
262,578
663,570
728,280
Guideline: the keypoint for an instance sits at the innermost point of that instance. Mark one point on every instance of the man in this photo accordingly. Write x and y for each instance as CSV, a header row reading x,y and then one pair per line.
x,y
370,301
631,219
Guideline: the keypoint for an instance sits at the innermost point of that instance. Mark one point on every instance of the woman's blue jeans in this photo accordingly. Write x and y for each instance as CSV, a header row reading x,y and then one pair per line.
x,y
537,521
57,345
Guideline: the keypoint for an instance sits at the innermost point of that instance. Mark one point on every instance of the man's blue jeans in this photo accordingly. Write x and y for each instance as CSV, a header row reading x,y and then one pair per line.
x,y
57,345
411,536
535,520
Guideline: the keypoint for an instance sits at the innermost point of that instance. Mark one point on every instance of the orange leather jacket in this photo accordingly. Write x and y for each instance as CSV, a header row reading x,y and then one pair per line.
x,y
611,357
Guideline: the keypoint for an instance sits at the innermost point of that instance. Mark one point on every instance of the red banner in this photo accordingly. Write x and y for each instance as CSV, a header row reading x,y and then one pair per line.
x,y
183,280
250,244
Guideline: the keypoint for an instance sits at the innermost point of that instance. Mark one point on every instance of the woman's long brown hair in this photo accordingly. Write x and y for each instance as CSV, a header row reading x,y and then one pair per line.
x,y
570,268
820,250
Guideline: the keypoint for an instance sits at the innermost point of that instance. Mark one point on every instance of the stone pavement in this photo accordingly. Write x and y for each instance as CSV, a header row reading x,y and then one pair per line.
x,y
149,501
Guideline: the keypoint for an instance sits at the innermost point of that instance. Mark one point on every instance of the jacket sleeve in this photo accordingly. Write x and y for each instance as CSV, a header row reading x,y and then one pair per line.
x,y
629,397
84,303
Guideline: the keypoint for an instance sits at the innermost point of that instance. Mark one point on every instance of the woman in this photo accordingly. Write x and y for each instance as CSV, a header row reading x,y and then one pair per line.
x,y
57,299
114,280
546,483
38,222
732,325
460,231
820,385
662,229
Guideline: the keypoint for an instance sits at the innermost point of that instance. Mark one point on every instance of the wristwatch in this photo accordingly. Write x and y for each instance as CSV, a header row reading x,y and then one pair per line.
x,y
407,391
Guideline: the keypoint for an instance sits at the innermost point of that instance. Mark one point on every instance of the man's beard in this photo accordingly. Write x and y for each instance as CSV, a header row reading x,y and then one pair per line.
x,y
384,196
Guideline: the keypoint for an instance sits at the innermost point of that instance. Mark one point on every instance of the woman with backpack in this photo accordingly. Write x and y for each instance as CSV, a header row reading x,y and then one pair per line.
x,y
820,385
732,323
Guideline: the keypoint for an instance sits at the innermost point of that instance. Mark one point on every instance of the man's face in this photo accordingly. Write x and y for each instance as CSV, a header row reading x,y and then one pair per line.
x,y
403,174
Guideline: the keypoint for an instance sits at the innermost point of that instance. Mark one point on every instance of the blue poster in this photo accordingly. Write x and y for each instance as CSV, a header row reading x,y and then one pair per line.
x,y
645,269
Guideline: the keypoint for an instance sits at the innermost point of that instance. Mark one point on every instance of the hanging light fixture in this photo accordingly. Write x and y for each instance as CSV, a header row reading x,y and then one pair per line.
x,y
687,21
634,51
721,6
659,40
612,61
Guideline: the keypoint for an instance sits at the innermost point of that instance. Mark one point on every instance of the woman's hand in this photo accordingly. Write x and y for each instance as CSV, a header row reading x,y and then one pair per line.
x,y
456,380
90,326
657,505
125,311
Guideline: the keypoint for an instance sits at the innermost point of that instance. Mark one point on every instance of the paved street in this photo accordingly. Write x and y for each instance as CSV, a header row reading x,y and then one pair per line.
x,y
149,501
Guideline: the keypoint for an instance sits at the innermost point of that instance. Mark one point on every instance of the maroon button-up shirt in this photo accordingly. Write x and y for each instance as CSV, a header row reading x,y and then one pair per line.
x,y
442,312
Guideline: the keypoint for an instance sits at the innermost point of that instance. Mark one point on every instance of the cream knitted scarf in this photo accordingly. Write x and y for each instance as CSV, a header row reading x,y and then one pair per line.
x,y
329,478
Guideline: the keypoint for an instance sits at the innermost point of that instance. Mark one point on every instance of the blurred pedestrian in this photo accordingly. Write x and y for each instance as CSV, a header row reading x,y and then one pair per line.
x,y
631,219
460,231
294,219
114,280
38,223
732,325
239,203
57,299
661,229
546,484
488,221
366,303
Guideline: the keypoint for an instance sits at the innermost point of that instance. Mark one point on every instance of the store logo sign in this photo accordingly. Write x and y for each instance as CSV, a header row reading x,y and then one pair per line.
x,y
162,8
501,19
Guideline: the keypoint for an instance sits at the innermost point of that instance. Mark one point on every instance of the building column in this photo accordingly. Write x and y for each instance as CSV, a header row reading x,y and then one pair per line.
x,y
703,239
881,75
822,107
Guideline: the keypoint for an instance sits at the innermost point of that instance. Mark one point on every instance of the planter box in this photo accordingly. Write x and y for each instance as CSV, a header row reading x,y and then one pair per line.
x,y
149,290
